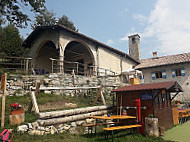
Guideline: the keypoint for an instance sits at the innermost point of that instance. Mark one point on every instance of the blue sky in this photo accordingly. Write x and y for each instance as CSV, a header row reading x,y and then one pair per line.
x,y
162,24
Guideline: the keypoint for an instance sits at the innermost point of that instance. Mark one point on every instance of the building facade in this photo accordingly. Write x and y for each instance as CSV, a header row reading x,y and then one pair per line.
x,y
168,68
71,50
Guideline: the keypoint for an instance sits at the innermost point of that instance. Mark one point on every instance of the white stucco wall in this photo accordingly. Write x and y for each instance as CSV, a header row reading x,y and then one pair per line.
x,y
103,58
184,81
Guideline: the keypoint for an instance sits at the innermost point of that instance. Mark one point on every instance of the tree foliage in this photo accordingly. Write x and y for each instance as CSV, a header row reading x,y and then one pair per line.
x,y
10,41
11,10
45,18
48,18
64,20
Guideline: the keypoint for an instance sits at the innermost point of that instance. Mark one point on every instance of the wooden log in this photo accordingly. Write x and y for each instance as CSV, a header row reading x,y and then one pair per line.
x,y
65,88
16,119
3,88
33,97
36,93
46,115
98,94
70,118
102,98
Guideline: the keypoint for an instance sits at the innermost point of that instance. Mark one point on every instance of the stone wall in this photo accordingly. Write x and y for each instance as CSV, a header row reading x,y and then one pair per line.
x,y
19,85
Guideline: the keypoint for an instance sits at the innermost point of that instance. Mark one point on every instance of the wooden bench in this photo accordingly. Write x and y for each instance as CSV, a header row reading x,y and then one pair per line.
x,y
90,126
112,129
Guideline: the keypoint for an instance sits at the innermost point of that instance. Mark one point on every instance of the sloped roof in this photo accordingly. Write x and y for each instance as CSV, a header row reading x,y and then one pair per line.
x,y
39,29
173,86
163,61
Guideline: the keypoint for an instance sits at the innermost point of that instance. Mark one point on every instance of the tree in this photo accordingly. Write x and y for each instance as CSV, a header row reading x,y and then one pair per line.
x,y
11,41
48,18
45,18
64,20
11,10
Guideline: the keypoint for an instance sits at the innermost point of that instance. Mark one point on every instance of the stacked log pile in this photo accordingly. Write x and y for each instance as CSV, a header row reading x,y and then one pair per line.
x,y
58,117
61,121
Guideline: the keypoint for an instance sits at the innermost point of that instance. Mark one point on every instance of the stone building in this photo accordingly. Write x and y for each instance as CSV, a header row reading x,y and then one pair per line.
x,y
57,47
168,68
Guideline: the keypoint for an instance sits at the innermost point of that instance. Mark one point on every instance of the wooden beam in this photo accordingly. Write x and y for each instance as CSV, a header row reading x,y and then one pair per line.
x,y
98,94
36,93
102,98
65,88
174,96
34,102
3,88
157,94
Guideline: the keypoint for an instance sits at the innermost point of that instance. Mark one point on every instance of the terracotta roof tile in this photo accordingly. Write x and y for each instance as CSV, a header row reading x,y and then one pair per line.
x,y
163,61
149,86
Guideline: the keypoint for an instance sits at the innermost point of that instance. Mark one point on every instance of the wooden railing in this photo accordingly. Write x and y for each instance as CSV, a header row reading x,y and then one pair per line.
x,y
16,63
79,69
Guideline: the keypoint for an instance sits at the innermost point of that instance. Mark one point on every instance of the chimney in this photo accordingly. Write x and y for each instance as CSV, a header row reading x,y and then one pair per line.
x,y
154,54
134,47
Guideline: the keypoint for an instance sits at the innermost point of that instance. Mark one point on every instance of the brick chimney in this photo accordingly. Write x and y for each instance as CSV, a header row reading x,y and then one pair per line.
x,y
155,54
134,47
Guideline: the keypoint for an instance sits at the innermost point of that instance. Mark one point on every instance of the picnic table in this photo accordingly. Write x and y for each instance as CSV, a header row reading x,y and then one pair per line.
x,y
111,117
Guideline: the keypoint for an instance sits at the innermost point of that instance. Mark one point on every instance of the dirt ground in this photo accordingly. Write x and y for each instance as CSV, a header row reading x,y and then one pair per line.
x,y
56,106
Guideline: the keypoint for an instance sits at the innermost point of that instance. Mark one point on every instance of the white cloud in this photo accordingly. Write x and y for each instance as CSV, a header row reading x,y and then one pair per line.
x,y
132,32
141,18
169,23
110,42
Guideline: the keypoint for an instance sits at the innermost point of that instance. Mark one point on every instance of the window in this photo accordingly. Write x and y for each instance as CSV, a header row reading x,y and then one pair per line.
x,y
158,74
133,40
178,72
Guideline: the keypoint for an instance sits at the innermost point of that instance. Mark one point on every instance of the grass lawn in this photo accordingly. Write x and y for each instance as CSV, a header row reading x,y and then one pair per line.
x,y
66,137
180,133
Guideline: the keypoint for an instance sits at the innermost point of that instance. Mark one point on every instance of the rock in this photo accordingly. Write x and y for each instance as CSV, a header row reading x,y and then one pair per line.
x,y
22,128
89,120
52,132
19,94
15,87
46,81
55,82
41,128
57,93
36,132
62,131
47,92
73,124
53,75
73,130
31,132
71,105
151,127
19,83
46,133
66,127
35,125
29,125
60,127
79,123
